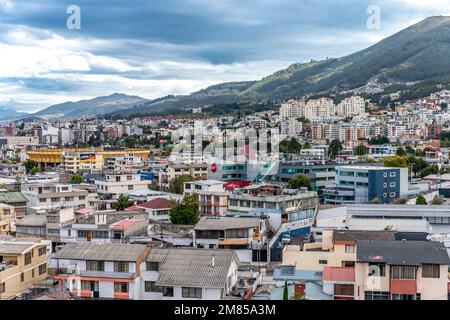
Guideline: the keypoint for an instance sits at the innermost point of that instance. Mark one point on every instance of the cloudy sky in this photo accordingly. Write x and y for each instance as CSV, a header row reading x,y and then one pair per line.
x,y
153,48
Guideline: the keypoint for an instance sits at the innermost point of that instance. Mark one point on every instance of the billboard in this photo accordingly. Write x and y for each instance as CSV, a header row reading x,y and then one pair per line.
x,y
87,157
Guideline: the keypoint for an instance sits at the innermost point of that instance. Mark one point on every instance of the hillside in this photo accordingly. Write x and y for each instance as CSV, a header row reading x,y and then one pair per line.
x,y
417,53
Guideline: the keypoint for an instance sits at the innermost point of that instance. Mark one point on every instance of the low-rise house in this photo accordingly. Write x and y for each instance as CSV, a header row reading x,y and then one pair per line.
x,y
401,270
189,274
23,264
15,199
108,271
230,233
157,209
45,194
32,225
120,183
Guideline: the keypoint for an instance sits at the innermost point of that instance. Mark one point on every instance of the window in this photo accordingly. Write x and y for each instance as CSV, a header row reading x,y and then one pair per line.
x,y
237,233
392,174
392,194
42,269
152,266
2,287
82,234
151,287
121,266
392,184
430,271
376,295
168,292
95,265
83,197
121,287
22,277
349,248
130,187
377,269
323,261
344,289
191,292
403,272
385,185
28,258
348,264
100,234
385,174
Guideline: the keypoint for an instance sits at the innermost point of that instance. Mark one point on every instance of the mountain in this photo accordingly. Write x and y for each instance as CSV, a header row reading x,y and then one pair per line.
x,y
92,107
418,53
8,114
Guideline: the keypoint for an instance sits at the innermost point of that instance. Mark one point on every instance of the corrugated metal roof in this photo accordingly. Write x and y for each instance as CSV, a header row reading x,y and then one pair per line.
x,y
358,235
100,252
191,267
14,248
32,220
223,223
11,197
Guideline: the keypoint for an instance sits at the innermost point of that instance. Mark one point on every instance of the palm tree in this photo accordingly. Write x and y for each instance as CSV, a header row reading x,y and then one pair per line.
x,y
123,202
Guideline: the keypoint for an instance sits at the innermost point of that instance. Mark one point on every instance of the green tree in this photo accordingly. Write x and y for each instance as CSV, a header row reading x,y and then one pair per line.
x,y
300,181
306,145
185,212
400,152
285,291
395,162
410,150
361,150
29,165
335,148
421,200
176,185
75,179
123,202
290,146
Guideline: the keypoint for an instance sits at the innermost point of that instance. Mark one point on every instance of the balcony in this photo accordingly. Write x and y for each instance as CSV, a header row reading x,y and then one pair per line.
x,y
233,241
403,286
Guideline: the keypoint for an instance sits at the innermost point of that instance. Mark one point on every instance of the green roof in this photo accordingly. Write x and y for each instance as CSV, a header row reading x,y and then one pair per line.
x,y
12,197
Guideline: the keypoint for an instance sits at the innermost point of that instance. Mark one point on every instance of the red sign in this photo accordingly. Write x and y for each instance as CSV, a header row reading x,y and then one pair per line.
x,y
214,167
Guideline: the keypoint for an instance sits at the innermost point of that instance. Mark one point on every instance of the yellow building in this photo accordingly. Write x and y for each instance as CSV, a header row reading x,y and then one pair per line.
x,y
7,219
23,264
75,159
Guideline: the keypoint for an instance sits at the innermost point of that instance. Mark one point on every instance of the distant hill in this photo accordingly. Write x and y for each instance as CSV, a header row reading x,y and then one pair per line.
x,y
8,114
92,107
418,53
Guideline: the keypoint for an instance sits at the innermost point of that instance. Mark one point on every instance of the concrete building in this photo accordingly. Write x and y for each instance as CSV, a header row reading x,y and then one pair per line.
x,y
23,264
110,271
157,209
361,184
7,219
55,194
211,196
120,183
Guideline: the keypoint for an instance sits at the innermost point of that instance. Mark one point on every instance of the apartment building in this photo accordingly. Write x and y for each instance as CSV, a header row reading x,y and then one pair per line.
x,y
188,274
23,264
211,196
198,171
401,270
103,271
337,249
230,233
120,183
361,184
55,194
7,219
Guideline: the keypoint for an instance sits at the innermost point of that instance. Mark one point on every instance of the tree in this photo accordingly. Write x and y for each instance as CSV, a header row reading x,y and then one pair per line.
x,y
285,291
185,212
437,201
375,201
361,150
421,200
400,152
290,146
335,148
29,165
379,140
306,145
176,185
75,179
410,150
123,202
395,162
300,181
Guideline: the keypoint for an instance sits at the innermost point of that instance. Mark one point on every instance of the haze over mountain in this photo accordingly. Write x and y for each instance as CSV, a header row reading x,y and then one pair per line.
x,y
92,107
418,53
9,114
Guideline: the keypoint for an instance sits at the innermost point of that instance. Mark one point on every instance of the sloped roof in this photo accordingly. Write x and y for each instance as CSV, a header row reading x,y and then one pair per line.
x,y
32,220
158,203
100,252
401,252
192,267
11,197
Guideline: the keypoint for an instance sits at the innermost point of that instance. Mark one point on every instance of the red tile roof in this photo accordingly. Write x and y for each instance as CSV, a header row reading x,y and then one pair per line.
x,y
158,203
339,274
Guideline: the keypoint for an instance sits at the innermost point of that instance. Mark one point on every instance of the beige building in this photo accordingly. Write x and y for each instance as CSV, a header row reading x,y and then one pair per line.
x,y
7,219
198,171
211,196
23,264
